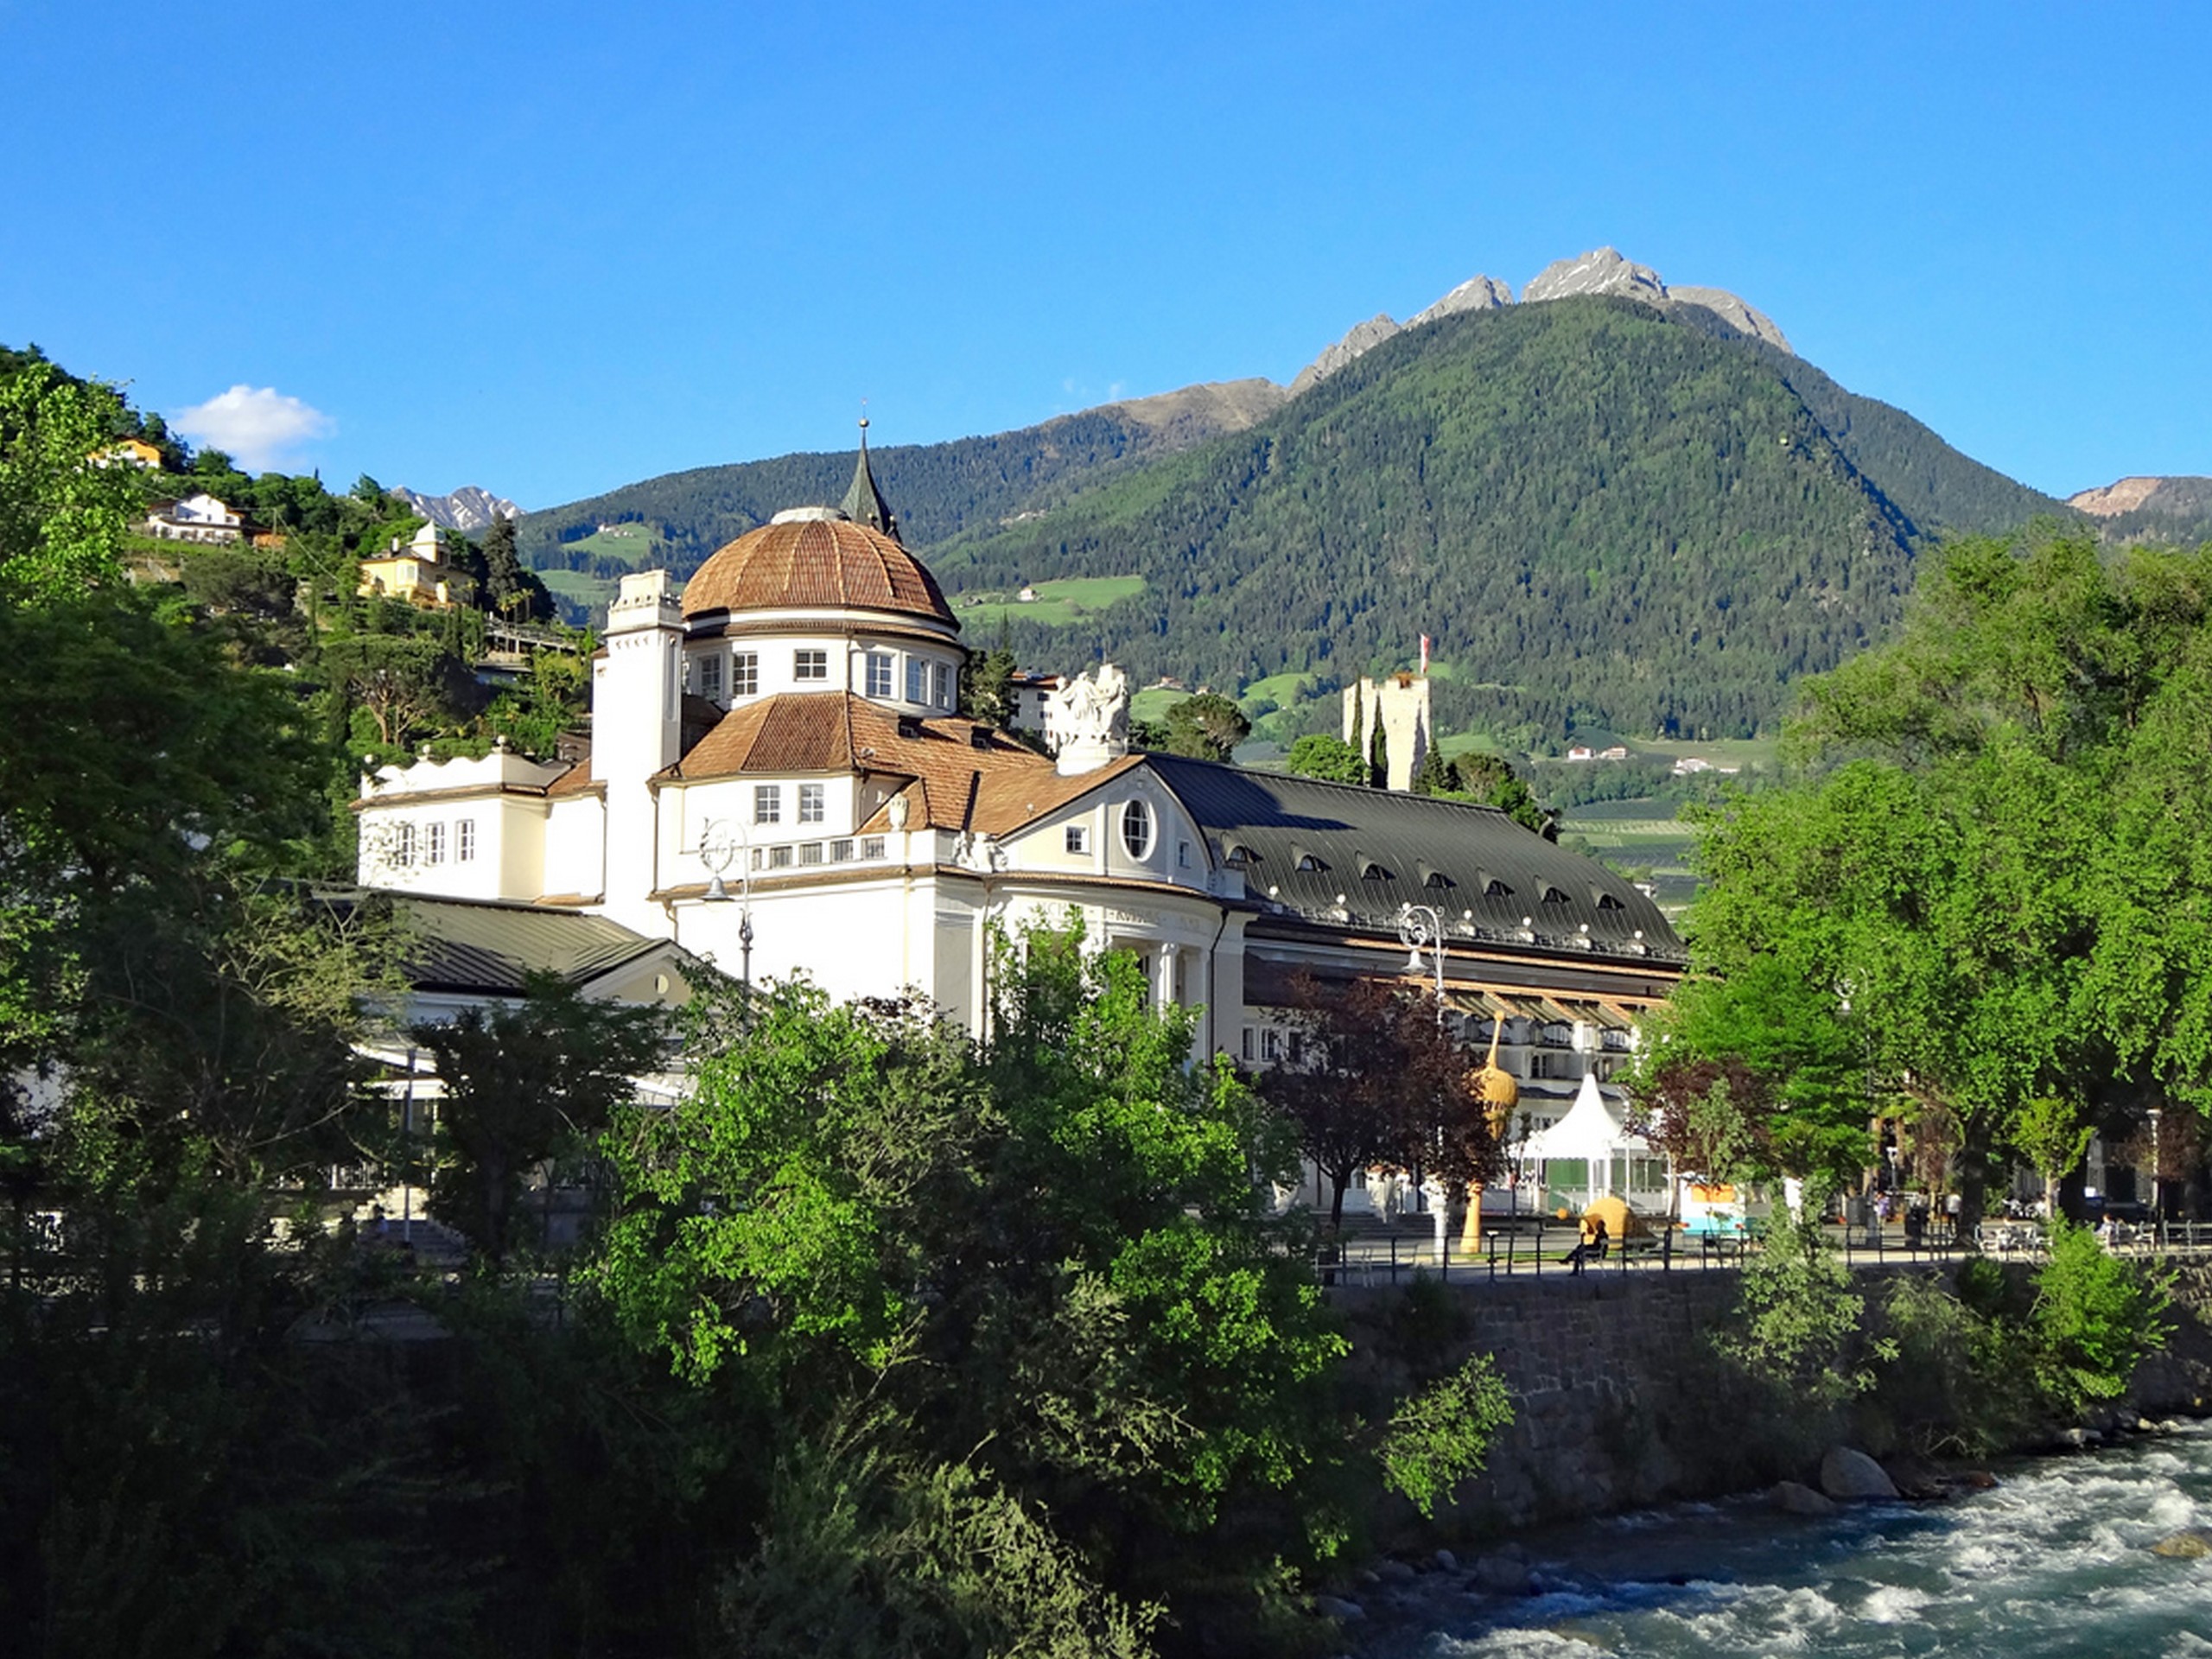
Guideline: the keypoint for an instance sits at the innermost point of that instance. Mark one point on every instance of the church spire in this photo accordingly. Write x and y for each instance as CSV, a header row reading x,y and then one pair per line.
x,y
864,503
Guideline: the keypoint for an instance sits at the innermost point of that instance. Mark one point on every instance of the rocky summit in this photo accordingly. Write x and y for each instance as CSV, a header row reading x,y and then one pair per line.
x,y
1601,271
467,509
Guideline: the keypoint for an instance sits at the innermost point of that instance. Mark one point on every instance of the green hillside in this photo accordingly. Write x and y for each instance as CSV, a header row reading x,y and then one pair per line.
x,y
1604,518
939,490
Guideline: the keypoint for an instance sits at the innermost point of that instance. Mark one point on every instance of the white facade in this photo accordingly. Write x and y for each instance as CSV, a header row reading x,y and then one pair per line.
x,y
779,747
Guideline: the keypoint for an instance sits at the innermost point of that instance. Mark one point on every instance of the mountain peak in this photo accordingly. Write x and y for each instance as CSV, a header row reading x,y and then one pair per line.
x,y
1601,271
468,509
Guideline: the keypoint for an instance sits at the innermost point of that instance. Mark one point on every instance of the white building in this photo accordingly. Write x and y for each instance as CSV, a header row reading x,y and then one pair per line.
x,y
201,517
779,746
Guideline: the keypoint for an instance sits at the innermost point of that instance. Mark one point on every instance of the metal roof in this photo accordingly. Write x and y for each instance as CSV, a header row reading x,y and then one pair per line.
x,y
1345,856
460,945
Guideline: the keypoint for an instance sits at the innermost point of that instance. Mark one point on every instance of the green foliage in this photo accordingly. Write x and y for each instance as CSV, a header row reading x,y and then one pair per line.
x,y
524,1085
2095,1316
62,516
1952,1382
1798,1315
871,1550
1657,529
1435,775
1490,780
1441,1436
1206,726
1330,759
1046,1256
1761,1074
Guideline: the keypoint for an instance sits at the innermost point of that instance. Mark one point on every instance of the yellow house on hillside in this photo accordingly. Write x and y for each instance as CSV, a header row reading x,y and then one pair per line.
x,y
416,572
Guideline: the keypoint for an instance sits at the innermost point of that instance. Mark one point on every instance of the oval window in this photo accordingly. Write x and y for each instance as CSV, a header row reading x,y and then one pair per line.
x,y
1136,828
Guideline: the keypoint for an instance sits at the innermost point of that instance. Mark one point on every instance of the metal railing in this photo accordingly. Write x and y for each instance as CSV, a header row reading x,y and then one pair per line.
x,y
1537,1246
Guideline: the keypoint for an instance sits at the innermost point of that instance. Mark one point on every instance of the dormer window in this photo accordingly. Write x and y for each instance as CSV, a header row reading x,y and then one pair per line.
x,y
1436,879
1371,871
1606,901
1310,863
1553,896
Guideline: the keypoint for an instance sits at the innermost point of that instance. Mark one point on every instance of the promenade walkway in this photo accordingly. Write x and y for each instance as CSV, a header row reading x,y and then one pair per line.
x,y
1374,1252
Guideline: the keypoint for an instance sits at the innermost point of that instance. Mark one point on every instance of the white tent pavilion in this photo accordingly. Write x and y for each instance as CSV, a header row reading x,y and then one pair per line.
x,y
1592,1134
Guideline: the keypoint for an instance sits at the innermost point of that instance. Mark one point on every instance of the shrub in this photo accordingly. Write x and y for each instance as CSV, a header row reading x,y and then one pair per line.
x,y
2095,1316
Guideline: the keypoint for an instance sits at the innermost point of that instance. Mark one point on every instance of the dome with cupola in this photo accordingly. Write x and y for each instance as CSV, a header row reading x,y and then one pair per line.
x,y
841,558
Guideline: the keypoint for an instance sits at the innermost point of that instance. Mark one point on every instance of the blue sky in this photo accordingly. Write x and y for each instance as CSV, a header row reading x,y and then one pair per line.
x,y
556,248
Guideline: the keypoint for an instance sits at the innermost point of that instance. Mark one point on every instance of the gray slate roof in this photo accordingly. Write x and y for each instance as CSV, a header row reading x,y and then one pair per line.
x,y
1303,842
488,947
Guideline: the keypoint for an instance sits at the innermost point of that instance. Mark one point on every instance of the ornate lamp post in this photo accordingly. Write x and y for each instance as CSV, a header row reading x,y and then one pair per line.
x,y
1420,927
723,841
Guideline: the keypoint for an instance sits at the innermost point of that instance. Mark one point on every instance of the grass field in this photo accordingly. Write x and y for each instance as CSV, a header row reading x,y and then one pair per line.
x,y
577,587
634,544
1639,835
1057,604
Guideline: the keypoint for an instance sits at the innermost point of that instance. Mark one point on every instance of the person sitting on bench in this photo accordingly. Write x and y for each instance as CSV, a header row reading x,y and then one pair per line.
x,y
1593,1246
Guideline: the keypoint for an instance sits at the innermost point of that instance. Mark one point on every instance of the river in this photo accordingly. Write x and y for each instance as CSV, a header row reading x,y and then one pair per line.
x,y
2054,1560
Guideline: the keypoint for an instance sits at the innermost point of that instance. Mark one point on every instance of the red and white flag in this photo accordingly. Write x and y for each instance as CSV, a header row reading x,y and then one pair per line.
x,y
1424,654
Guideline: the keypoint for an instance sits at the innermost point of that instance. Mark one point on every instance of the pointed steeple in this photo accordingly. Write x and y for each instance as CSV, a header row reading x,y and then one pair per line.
x,y
864,503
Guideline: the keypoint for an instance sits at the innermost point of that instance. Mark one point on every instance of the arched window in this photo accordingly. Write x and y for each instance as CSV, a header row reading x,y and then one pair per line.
x,y
1136,830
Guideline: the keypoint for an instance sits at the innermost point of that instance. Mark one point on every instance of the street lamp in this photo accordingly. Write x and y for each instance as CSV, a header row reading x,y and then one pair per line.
x,y
723,841
1420,927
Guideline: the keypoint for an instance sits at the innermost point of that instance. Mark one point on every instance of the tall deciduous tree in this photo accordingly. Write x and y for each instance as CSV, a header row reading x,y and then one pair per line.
x,y
1372,1081
1983,857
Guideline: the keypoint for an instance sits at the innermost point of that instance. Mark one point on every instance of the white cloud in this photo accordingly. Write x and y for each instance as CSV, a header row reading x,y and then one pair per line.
x,y
259,428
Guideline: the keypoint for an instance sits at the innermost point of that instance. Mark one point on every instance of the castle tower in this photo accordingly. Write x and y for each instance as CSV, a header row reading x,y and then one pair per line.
x,y
1399,704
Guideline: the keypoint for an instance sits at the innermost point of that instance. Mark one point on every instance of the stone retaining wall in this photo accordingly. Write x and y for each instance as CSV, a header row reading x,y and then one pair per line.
x,y
1619,1403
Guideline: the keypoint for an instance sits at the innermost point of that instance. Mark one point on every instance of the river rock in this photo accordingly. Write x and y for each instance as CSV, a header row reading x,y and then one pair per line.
x,y
1977,1480
1794,1498
1393,1571
2191,1545
1850,1474
1501,1575
1336,1607
2078,1439
1446,1561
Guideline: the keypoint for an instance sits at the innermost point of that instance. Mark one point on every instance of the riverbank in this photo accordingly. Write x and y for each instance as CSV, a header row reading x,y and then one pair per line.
x,y
1621,1403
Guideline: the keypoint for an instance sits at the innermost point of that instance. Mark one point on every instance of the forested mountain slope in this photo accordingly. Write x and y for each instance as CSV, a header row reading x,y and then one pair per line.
x,y
1603,517
939,490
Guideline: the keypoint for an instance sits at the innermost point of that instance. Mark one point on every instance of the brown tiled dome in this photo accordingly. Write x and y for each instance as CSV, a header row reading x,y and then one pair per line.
x,y
823,561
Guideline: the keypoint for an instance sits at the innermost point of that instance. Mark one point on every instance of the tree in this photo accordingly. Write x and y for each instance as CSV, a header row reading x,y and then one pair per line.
x,y
1372,1081
1435,776
1490,780
1040,1269
1206,726
1330,759
1981,852
1378,755
62,517
510,589
521,1085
